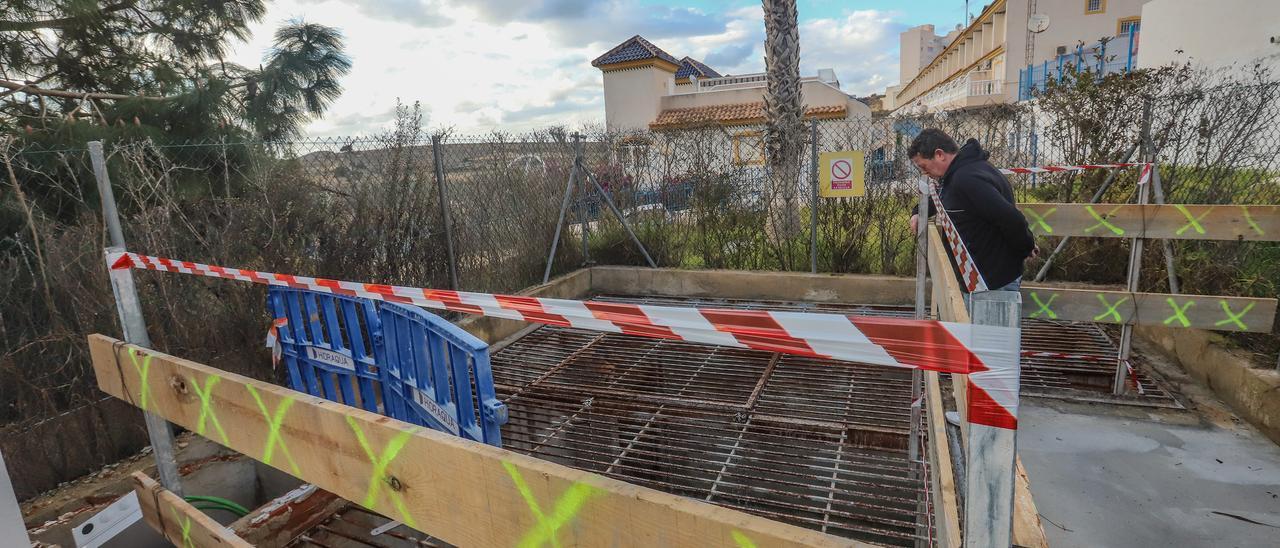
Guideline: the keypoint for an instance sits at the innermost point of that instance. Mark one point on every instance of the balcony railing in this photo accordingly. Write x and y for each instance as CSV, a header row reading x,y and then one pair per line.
x,y
962,88
1110,56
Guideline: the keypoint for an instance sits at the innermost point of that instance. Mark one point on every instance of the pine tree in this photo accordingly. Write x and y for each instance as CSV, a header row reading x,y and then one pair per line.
x,y
158,64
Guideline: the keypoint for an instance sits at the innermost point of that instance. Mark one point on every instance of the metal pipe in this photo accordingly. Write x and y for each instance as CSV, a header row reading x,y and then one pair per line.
x,y
1062,244
616,212
917,378
132,323
564,207
813,198
438,159
12,530
1126,331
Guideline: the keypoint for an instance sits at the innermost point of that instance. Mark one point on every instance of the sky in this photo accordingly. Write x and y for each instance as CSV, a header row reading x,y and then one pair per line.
x,y
516,65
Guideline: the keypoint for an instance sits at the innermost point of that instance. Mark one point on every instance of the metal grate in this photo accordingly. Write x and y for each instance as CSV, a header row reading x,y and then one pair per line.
x,y
816,443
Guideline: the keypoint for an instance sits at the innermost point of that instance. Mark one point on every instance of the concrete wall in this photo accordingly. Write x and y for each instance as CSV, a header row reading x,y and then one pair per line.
x,y
631,96
918,46
1210,33
1253,393
738,284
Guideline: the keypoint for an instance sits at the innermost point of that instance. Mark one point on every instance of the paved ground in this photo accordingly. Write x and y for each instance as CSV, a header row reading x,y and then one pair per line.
x,y
1106,475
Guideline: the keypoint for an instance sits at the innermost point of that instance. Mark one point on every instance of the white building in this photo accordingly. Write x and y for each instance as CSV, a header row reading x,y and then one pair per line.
x,y
984,62
648,88
1213,34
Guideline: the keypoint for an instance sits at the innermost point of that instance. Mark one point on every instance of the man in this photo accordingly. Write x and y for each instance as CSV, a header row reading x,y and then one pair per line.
x,y
980,203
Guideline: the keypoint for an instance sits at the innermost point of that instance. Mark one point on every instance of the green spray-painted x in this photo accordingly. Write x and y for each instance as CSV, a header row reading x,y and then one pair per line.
x,y
185,522
1249,219
379,476
1178,313
273,423
1102,221
206,410
1040,219
1233,317
566,508
144,371
742,540
1192,222
1044,306
1111,309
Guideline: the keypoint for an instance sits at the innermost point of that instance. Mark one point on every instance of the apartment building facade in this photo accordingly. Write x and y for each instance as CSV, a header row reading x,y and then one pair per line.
x,y
1010,45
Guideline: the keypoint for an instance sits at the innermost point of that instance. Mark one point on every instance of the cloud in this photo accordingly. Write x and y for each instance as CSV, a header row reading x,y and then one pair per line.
x,y
418,13
862,46
587,22
730,55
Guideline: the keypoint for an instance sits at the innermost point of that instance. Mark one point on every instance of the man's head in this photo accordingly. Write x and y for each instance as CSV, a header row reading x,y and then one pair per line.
x,y
932,152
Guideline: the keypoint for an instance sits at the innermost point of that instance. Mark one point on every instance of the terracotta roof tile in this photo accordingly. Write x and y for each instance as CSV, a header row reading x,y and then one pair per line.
x,y
731,114
634,49
693,67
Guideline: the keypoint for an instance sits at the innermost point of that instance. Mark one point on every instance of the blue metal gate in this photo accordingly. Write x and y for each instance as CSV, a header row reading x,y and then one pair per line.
x,y
399,361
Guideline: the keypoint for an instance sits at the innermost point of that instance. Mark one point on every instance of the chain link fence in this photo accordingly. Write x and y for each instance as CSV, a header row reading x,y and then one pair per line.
x,y
370,209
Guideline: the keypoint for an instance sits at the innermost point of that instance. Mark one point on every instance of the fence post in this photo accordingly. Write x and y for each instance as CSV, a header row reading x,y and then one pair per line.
x,y
437,159
813,205
989,481
583,212
131,320
917,377
1135,273
1158,188
616,212
564,205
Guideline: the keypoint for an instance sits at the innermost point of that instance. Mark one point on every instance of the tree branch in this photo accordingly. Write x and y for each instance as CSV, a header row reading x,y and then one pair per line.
x,y
34,90
62,22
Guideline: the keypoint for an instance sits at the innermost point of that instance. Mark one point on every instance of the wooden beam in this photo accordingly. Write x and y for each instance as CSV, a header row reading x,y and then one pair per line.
x,y
1259,223
946,518
177,520
948,303
1163,309
465,493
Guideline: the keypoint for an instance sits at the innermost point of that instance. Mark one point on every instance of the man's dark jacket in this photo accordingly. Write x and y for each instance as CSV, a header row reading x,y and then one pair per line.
x,y
980,203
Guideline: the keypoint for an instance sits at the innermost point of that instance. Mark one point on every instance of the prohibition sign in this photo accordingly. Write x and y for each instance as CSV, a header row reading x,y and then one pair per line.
x,y
840,170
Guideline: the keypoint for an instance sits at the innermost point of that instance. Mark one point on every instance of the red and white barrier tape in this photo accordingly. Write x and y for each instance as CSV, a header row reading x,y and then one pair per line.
x,y
983,352
1146,171
969,273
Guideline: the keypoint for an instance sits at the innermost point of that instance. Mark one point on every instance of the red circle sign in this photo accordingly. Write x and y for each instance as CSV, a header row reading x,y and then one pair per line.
x,y
841,169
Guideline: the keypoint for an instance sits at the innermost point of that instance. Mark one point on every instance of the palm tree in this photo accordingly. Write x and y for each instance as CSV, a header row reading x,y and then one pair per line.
x,y
784,118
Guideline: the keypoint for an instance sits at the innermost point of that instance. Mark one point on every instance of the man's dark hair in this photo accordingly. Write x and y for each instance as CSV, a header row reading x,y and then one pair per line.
x,y
929,141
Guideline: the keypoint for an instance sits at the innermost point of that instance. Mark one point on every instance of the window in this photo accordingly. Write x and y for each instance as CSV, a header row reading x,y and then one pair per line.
x,y
1128,25
1094,6
748,148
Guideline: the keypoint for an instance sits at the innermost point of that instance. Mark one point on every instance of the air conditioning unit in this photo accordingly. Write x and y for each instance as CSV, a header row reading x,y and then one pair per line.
x,y
1062,50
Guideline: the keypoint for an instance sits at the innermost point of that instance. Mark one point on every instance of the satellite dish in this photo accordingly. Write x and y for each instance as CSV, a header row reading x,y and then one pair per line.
x,y
1038,22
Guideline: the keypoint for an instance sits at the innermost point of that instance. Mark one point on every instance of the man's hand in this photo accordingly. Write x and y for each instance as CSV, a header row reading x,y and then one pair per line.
x,y
915,224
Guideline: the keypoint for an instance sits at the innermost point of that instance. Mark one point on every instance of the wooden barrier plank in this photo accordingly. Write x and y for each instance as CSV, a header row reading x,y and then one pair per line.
x,y
1121,307
465,493
177,520
1171,221
946,518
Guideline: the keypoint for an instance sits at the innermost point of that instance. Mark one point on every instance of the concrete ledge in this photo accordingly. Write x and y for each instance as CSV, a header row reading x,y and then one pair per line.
x,y
1252,393
574,285
738,284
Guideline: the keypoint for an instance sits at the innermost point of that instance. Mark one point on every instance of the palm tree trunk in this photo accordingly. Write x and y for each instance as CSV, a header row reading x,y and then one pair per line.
x,y
784,121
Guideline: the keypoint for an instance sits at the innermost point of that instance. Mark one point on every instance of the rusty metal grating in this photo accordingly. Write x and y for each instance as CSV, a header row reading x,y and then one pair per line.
x,y
816,443
352,527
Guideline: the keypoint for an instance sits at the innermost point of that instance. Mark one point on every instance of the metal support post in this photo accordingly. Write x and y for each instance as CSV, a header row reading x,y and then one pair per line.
x,y
131,321
813,196
564,206
1062,244
437,158
584,222
13,532
1135,273
616,213
991,451
917,377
